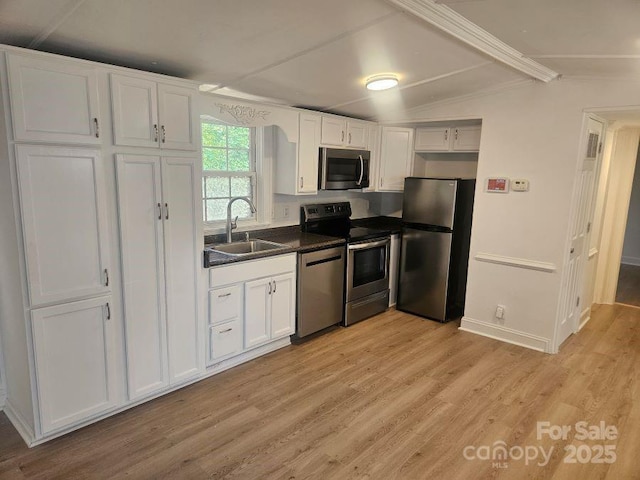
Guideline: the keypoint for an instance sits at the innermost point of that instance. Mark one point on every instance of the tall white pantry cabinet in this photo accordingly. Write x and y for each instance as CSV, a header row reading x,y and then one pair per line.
x,y
99,263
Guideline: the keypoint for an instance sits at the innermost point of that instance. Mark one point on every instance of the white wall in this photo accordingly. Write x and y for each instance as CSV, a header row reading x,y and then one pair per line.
x,y
631,250
530,131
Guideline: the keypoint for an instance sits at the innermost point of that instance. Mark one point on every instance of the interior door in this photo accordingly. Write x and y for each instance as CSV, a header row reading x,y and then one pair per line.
x,y
580,230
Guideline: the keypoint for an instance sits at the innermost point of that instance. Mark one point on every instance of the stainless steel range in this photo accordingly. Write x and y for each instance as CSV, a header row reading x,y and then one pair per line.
x,y
367,268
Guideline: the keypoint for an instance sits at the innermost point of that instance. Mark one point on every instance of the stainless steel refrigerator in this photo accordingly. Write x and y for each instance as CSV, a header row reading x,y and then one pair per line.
x,y
436,231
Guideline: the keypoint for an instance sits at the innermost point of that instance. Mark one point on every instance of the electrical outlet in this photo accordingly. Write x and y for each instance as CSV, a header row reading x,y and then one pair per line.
x,y
285,211
500,312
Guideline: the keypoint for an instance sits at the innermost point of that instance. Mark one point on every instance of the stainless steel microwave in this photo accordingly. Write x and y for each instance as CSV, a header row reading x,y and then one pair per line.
x,y
343,169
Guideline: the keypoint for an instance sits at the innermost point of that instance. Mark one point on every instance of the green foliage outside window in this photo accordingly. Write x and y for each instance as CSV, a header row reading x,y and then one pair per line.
x,y
229,170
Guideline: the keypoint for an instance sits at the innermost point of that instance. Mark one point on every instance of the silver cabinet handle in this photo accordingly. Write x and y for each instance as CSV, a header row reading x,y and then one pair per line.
x,y
301,182
155,132
106,277
342,136
270,288
166,209
381,182
274,286
159,211
446,134
222,295
108,311
95,123
349,138
456,137
225,331
164,134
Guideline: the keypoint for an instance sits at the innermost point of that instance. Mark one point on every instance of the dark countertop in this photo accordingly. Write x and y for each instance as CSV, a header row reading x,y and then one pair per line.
x,y
393,224
295,239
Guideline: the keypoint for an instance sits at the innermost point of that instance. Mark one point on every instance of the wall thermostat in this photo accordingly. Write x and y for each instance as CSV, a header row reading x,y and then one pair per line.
x,y
498,185
520,185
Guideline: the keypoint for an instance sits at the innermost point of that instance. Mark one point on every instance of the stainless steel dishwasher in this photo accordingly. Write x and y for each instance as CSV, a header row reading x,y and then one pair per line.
x,y
320,290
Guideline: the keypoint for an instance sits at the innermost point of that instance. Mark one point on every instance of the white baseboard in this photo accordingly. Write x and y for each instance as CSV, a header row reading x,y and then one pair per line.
x,y
19,423
635,261
504,334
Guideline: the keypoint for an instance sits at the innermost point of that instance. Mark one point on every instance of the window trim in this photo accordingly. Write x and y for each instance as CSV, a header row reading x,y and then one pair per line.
x,y
262,160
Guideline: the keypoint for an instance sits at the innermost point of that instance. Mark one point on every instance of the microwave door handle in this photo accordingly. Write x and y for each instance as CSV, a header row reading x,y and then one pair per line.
x,y
323,173
359,182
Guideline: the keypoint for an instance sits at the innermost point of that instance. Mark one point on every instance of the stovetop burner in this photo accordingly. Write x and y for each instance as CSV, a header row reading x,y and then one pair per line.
x,y
333,219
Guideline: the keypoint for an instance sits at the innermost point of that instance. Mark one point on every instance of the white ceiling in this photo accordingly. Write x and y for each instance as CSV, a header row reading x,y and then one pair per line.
x,y
317,54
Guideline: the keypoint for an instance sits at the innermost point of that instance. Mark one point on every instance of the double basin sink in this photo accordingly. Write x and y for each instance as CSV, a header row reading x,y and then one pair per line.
x,y
240,249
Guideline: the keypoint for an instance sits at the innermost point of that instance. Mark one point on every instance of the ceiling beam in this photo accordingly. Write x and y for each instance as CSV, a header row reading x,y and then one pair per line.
x,y
451,22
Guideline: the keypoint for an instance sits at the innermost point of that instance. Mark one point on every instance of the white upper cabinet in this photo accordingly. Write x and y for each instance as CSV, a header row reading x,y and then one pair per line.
x,y
448,139
396,158
64,222
309,143
151,114
296,168
433,139
53,100
466,139
343,132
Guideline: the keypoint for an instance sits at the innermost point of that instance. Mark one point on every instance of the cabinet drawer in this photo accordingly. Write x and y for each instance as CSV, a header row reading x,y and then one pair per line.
x,y
225,339
225,304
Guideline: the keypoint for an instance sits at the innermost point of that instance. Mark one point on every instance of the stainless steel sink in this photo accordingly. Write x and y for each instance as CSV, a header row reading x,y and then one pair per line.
x,y
236,249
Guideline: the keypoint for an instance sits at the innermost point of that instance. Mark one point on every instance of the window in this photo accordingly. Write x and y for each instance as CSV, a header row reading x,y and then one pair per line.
x,y
229,170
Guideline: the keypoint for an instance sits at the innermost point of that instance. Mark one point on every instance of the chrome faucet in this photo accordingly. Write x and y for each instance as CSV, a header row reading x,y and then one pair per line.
x,y
234,224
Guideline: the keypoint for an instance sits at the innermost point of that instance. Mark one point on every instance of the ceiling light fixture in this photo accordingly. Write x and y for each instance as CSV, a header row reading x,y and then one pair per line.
x,y
382,82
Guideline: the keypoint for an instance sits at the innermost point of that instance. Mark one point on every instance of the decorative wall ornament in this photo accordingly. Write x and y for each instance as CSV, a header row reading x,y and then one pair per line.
x,y
244,115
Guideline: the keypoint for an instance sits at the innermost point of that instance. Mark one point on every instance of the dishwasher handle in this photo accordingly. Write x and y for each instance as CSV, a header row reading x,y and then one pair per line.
x,y
324,260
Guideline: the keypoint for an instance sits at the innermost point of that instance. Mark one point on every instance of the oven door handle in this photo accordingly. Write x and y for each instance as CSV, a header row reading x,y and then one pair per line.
x,y
359,182
362,246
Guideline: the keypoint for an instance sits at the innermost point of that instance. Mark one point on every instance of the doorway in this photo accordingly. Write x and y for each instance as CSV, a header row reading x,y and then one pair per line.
x,y
628,290
614,275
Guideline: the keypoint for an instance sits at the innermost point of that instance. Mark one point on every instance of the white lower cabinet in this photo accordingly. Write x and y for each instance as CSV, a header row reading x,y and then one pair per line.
x,y
252,303
75,360
159,254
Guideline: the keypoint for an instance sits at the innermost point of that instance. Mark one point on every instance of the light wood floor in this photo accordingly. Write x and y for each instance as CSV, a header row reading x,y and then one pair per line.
x,y
628,291
392,397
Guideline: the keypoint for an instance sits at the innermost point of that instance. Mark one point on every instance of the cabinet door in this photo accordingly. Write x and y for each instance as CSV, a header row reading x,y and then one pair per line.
x,y
75,361
357,134
178,117
53,100
139,202
257,307
64,222
433,139
283,305
180,182
135,111
333,131
396,158
309,142
466,139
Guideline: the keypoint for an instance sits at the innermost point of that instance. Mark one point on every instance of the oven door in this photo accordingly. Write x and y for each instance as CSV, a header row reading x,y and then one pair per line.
x,y
367,268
